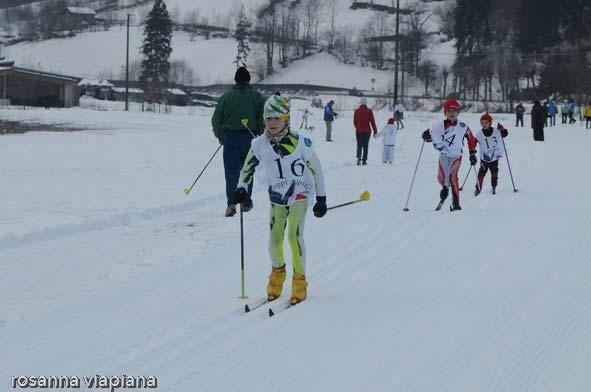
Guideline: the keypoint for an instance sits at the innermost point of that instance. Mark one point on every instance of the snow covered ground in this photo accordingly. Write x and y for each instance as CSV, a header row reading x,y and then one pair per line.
x,y
106,267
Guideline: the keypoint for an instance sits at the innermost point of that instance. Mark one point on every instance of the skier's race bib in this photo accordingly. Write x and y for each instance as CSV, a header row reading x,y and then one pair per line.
x,y
491,147
449,141
289,177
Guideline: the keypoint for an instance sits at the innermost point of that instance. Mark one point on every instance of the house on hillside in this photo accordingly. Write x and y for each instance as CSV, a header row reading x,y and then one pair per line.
x,y
80,16
177,97
24,86
100,89
135,94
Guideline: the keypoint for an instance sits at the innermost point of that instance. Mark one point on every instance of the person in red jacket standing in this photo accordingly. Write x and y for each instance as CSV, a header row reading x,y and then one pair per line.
x,y
365,124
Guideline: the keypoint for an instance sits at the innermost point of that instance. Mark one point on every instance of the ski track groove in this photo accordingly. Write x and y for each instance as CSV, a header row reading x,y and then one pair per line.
x,y
482,338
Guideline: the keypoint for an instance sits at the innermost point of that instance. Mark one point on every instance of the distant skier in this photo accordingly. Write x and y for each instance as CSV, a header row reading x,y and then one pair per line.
x,y
491,149
294,173
389,134
399,114
448,138
519,111
305,115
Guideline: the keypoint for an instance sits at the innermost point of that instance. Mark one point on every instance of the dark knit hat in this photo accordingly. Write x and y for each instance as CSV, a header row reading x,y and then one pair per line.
x,y
242,75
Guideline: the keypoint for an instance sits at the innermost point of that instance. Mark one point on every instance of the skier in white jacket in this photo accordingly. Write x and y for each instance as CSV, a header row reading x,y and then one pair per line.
x,y
389,134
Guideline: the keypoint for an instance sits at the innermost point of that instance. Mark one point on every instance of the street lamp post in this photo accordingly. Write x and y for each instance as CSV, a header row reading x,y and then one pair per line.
x,y
397,45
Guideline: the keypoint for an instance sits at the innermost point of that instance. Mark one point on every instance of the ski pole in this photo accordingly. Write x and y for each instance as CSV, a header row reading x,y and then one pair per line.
x,y
188,190
508,164
244,122
465,179
413,177
365,196
243,296
476,175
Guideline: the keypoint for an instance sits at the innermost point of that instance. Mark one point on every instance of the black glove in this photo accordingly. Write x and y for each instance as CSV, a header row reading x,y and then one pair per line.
x,y
473,159
319,208
426,135
240,195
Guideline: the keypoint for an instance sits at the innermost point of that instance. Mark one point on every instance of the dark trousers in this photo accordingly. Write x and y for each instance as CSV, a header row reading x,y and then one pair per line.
x,y
552,120
362,144
519,120
494,172
564,117
587,122
571,118
236,146
539,134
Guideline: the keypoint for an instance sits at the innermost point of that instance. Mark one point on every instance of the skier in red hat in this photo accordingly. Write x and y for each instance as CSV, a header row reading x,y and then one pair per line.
x,y
491,149
448,138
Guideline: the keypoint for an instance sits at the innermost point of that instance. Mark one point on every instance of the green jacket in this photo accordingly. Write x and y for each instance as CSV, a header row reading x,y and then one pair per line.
x,y
237,104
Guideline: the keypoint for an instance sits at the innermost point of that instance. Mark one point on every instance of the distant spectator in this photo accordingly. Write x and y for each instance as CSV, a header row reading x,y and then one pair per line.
x,y
571,111
519,111
564,111
399,114
538,119
329,117
552,112
588,115
364,122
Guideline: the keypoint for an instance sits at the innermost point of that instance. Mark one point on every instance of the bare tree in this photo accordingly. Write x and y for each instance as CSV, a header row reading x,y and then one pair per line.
x,y
333,10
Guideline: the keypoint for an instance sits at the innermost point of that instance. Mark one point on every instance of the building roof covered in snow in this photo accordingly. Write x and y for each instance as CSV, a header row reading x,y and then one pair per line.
x,y
176,91
81,10
131,90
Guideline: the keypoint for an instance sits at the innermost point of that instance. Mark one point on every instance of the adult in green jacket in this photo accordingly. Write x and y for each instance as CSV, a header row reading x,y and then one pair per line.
x,y
233,108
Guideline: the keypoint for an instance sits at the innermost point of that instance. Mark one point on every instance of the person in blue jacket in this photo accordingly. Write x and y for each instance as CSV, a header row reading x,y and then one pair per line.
x,y
329,116
552,112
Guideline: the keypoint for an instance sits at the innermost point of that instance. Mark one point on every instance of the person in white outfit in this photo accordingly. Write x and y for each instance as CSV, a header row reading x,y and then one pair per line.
x,y
389,134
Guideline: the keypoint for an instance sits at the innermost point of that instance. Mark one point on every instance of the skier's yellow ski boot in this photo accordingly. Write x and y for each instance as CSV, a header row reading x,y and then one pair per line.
x,y
298,289
275,285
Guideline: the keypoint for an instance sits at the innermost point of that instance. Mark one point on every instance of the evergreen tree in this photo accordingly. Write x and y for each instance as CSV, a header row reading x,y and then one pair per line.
x,y
537,26
472,25
241,36
156,48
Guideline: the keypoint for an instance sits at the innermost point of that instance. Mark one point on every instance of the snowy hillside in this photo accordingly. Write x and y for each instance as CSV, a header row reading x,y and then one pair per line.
x,y
106,267
101,54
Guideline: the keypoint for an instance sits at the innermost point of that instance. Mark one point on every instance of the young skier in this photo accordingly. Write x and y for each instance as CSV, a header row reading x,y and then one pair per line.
x,y
305,116
294,174
389,134
491,149
448,138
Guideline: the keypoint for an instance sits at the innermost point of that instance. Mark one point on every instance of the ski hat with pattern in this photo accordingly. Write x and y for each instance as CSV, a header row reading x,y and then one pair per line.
x,y
486,117
277,106
451,104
